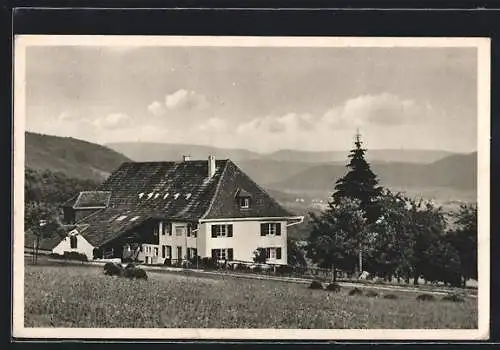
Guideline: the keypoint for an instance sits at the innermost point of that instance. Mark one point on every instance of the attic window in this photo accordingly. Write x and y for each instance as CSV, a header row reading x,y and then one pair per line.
x,y
245,202
120,218
150,195
135,218
141,194
244,199
165,196
188,195
176,195
157,195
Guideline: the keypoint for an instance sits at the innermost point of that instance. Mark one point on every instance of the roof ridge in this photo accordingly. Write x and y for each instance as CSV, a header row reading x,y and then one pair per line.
x,y
217,189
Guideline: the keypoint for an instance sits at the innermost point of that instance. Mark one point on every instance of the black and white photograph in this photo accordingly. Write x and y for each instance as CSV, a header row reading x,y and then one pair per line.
x,y
211,187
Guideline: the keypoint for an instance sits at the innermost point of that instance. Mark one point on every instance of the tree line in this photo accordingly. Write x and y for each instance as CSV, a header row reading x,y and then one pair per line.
x,y
369,228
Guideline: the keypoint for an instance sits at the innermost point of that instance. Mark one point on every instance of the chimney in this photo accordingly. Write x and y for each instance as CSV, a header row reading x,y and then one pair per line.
x,y
211,166
186,158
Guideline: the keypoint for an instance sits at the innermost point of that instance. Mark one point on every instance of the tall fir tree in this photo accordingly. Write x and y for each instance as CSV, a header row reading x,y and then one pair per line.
x,y
359,183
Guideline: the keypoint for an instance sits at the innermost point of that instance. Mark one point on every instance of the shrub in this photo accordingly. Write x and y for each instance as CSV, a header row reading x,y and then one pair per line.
x,y
371,293
454,298
75,256
167,262
113,269
130,266
425,297
333,287
316,285
56,256
355,291
390,296
135,272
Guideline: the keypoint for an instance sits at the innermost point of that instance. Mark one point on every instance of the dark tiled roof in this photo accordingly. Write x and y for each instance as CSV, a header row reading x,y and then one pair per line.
x,y
92,199
225,205
242,193
107,224
180,190
175,191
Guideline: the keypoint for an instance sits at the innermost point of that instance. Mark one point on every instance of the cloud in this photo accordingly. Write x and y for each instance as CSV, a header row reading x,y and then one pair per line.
x,y
291,122
157,108
383,109
214,124
186,100
113,121
67,116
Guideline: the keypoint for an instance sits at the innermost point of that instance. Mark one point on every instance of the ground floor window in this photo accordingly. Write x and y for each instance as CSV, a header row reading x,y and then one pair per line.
x,y
192,253
222,254
273,253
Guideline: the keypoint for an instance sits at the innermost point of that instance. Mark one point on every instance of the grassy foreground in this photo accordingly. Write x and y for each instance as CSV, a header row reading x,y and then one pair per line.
x,y
81,296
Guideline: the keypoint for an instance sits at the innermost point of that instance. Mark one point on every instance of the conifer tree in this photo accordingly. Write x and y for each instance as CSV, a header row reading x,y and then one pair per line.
x,y
359,183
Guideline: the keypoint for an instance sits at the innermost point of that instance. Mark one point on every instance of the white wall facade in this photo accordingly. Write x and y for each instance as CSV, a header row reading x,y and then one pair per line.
x,y
82,246
246,238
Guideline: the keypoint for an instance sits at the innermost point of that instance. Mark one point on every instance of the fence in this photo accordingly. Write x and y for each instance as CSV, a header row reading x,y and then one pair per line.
x,y
236,266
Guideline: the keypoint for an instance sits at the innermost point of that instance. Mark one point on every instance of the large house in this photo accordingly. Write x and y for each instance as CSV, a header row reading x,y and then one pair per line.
x,y
175,211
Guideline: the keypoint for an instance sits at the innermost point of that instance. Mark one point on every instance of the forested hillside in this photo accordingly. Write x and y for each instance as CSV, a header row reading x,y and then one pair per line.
x,y
72,157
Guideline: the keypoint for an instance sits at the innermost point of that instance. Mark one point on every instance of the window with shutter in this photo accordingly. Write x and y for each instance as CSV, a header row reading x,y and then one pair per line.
x,y
263,229
230,254
214,231
278,229
214,254
278,253
230,230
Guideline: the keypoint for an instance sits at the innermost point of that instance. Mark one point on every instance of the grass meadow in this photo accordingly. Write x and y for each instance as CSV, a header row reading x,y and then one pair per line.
x,y
82,296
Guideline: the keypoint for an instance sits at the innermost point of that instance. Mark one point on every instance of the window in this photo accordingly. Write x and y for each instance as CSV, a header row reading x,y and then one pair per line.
x,y
156,251
244,203
192,252
192,230
179,253
167,228
222,231
73,241
179,230
156,229
162,228
273,253
278,253
272,229
120,218
222,254
169,251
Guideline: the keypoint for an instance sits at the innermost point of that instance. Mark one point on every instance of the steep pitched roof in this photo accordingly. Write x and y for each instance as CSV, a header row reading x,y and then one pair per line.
x,y
225,205
92,199
174,191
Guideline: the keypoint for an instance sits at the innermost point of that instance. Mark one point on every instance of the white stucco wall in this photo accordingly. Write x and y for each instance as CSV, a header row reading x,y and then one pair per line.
x,y
246,239
82,246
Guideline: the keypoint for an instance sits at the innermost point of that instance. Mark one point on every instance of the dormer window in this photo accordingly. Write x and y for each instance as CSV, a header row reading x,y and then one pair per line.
x,y
245,203
244,199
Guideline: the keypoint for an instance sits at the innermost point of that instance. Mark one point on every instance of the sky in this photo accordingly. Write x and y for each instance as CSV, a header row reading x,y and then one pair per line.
x,y
257,98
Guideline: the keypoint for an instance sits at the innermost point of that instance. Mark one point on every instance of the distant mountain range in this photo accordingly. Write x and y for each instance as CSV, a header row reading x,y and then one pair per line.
x,y
282,172
147,151
456,171
75,158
